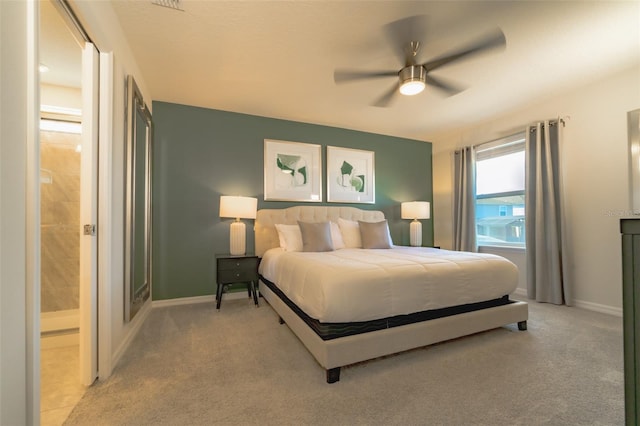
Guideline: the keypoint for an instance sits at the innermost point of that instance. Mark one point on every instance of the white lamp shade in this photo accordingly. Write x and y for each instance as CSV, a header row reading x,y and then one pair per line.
x,y
415,210
238,207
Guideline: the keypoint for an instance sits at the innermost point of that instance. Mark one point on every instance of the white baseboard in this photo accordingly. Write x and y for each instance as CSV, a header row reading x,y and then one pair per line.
x,y
520,292
590,306
138,320
183,301
59,320
199,299
604,309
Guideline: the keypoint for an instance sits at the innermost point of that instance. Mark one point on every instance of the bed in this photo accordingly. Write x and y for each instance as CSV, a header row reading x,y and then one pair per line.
x,y
354,304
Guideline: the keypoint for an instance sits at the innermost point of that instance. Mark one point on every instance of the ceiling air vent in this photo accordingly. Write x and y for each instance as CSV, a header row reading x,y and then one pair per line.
x,y
172,4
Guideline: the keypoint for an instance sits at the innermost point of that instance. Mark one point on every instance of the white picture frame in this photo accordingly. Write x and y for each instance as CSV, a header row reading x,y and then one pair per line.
x,y
292,171
350,175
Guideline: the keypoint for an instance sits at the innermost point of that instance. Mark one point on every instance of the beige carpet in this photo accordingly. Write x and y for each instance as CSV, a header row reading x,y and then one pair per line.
x,y
192,365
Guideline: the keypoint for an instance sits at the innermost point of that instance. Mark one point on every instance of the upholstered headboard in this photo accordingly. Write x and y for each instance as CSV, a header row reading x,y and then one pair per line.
x,y
266,219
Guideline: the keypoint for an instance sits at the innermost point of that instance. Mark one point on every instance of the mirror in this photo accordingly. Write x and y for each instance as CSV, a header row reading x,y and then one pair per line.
x,y
137,261
633,123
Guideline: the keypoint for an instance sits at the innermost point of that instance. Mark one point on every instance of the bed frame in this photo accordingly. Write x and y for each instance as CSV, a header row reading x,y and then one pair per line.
x,y
335,353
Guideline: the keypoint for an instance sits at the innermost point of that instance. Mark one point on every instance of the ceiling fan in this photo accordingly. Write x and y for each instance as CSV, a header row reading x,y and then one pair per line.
x,y
405,35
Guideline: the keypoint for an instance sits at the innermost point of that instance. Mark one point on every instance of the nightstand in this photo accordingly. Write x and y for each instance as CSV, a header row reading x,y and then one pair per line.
x,y
237,269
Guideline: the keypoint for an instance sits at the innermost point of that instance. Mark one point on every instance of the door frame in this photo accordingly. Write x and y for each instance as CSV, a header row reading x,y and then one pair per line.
x,y
105,219
32,219
88,336
102,309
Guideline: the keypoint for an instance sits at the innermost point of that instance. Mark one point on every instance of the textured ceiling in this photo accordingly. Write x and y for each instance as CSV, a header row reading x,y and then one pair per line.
x,y
276,58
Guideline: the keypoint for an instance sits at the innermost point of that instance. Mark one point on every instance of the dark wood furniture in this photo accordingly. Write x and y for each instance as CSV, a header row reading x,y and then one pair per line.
x,y
237,269
630,229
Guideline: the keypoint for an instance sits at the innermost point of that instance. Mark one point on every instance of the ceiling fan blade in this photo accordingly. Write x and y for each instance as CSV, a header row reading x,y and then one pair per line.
x,y
402,32
492,40
386,98
345,76
446,87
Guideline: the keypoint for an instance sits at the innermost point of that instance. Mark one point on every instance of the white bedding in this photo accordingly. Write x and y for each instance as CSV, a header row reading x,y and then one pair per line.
x,y
360,285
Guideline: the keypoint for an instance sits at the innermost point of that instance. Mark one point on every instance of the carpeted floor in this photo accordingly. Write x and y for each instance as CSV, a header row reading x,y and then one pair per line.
x,y
193,365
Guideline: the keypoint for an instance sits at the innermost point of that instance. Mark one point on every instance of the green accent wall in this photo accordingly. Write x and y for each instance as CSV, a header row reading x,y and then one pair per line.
x,y
200,154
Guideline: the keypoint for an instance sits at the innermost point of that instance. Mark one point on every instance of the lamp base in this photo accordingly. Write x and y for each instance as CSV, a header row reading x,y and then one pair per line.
x,y
237,238
415,233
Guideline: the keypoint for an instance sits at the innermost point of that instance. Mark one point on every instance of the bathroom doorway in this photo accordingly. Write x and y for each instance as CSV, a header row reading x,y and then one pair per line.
x,y
68,170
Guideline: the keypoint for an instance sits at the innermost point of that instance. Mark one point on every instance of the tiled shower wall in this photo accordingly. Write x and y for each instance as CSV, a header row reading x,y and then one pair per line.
x,y
60,221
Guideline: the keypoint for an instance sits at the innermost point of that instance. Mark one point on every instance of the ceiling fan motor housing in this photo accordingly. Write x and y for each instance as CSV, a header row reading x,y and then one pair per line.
x,y
412,79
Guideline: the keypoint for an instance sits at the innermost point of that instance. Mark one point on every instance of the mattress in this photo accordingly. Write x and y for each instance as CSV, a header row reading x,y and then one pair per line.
x,y
355,285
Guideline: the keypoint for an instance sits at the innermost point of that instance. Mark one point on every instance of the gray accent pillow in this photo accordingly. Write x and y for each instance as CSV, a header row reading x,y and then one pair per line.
x,y
375,235
316,236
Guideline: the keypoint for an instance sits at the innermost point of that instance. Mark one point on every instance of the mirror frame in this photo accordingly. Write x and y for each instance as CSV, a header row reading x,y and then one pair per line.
x,y
137,253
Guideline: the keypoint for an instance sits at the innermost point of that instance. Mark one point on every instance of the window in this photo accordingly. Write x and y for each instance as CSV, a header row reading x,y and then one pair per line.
x,y
500,179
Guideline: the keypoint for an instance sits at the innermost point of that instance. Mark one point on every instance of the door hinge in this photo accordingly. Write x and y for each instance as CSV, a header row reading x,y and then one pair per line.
x,y
89,230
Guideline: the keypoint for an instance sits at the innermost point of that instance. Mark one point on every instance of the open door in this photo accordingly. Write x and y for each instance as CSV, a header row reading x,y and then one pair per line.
x,y
89,217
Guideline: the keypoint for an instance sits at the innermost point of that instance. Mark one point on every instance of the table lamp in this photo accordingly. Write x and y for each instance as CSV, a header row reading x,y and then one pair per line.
x,y
415,210
240,208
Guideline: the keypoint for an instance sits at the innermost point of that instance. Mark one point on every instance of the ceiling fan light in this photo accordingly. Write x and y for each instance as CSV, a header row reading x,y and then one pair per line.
x,y
413,87
412,79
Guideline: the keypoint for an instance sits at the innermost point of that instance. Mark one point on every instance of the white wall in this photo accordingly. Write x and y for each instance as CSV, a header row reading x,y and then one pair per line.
x,y
596,177
60,96
19,350
12,208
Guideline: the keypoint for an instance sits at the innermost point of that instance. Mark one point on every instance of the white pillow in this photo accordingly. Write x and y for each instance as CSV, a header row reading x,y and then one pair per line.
x,y
336,236
350,233
290,237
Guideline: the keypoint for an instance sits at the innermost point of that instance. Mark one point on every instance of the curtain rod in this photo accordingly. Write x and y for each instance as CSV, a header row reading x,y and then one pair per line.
x,y
532,128
554,122
504,141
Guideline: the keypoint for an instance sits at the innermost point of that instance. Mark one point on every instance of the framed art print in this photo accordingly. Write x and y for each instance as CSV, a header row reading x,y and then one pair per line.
x,y
350,175
292,171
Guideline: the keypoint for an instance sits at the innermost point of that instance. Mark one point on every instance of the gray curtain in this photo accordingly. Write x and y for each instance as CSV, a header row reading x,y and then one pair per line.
x,y
547,277
464,193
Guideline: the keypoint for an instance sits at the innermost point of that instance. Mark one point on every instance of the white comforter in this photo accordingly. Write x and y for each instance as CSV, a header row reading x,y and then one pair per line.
x,y
361,285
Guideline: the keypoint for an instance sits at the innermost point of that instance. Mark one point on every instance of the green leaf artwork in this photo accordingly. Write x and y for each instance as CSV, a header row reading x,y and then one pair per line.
x,y
303,171
286,162
294,166
358,183
346,168
349,179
